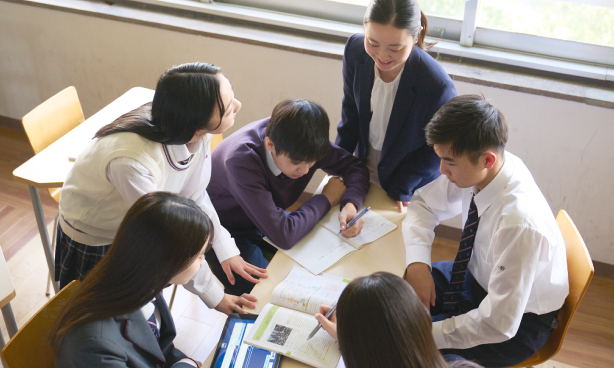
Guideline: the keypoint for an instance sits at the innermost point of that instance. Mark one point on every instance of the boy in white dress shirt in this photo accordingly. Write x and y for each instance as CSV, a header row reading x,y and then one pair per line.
x,y
497,303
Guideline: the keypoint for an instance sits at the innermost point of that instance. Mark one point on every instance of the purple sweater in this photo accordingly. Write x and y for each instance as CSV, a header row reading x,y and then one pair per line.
x,y
245,193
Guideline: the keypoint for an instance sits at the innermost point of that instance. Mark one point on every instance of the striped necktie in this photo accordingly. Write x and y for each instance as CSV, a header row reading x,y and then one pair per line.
x,y
154,326
459,269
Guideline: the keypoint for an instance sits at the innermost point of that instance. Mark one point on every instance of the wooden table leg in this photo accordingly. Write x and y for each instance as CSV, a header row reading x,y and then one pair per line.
x,y
42,229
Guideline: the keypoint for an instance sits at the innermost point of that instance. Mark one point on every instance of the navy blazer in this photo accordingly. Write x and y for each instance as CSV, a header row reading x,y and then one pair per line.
x,y
122,341
406,162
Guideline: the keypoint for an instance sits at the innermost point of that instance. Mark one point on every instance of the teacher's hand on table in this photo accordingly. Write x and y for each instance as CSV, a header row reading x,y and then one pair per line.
x,y
419,277
233,303
401,204
345,216
242,268
329,325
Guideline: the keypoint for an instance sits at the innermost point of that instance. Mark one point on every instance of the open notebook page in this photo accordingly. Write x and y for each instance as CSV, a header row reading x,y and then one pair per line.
x,y
286,331
305,292
318,250
375,227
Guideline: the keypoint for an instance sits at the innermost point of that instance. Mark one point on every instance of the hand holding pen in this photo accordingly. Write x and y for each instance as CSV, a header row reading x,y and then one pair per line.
x,y
355,219
327,319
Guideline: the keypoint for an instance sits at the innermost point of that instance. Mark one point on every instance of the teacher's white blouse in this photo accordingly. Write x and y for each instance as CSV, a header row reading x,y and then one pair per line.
x,y
382,99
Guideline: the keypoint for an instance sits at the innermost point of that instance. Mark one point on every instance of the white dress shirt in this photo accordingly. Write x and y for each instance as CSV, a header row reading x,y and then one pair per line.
x,y
382,99
132,180
518,255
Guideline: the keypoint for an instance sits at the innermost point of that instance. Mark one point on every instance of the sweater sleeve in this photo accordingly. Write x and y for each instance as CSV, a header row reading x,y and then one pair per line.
x,y
354,173
247,184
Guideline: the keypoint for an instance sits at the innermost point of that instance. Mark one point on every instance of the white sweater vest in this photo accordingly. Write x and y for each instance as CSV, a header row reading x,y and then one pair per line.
x,y
91,209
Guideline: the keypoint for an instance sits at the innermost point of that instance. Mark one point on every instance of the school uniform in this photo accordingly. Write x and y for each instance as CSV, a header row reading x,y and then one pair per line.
x,y
516,280
250,193
383,123
123,341
108,177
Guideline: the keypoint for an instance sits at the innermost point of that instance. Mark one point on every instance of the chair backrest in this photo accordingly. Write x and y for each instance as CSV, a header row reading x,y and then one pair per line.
x,y
580,269
30,346
53,119
215,140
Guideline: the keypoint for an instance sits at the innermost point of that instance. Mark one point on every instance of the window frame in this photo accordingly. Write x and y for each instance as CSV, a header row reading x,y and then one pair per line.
x,y
463,31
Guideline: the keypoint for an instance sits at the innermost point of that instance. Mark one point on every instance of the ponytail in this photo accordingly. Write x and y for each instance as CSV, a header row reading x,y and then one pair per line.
x,y
424,22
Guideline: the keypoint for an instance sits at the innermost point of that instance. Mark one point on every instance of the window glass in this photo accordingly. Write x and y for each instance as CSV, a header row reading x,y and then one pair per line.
x,y
453,9
587,21
441,8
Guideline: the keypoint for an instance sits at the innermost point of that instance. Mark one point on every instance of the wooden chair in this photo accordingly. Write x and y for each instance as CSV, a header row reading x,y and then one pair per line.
x,y
30,346
581,270
47,123
215,140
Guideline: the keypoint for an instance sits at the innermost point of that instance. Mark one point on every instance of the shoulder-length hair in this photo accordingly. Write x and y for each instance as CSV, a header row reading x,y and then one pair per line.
x,y
186,98
381,322
160,236
402,14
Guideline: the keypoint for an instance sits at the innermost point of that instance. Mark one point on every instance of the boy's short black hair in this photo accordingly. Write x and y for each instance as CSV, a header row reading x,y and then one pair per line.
x,y
470,124
299,129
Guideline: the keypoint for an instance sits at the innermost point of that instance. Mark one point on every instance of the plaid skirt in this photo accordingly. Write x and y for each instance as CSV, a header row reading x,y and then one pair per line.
x,y
74,260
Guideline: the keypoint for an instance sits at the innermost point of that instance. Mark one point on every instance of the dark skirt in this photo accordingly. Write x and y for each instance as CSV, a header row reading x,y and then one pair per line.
x,y
74,260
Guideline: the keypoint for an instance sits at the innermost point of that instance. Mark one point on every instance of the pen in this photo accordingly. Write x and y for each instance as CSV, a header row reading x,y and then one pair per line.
x,y
353,221
329,313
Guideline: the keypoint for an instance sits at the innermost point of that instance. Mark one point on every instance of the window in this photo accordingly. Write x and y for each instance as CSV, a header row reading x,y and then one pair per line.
x,y
579,30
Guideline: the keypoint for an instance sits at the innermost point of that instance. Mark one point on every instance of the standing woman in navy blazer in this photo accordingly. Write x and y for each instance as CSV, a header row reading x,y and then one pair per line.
x,y
392,88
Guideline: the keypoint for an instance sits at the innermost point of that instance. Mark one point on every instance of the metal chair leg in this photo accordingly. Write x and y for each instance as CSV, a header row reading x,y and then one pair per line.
x,y
55,227
170,305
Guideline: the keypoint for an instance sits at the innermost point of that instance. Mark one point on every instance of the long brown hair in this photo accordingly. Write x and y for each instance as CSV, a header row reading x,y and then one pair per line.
x,y
186,97
402,14
160,236
381,322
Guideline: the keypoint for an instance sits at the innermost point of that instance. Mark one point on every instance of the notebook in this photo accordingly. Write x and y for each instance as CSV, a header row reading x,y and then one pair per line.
x,y
285,323
324,246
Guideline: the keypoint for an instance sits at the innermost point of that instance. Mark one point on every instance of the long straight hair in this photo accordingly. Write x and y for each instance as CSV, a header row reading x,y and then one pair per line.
x,y
186,98
381,322
160,236
402,14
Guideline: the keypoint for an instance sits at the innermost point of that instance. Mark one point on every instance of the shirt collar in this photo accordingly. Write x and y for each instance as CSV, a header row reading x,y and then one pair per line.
x,y
271,163
179,152
487,196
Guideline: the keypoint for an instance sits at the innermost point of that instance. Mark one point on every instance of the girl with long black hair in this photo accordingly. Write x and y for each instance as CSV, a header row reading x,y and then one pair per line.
x,y
162,145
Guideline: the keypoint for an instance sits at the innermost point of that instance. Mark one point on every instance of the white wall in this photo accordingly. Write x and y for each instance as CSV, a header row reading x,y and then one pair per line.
x,y
566,145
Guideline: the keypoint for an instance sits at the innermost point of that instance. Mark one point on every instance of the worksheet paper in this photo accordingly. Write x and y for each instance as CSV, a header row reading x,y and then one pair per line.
x,y
323,246
304,292
375,227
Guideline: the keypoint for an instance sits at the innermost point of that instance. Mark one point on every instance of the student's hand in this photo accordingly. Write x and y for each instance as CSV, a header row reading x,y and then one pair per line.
x,y
194,363
401,204
419,277
243,269
345,216
233,303
329,326
333,190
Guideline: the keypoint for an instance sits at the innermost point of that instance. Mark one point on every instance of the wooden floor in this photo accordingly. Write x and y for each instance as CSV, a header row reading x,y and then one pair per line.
x,y
589,342
17,221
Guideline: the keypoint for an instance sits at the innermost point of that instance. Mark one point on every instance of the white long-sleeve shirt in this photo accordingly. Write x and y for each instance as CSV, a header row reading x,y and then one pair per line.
x,y
132,180
518,255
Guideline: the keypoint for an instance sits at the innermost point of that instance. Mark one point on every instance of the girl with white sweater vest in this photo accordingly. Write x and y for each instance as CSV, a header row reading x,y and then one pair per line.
x,y
160,146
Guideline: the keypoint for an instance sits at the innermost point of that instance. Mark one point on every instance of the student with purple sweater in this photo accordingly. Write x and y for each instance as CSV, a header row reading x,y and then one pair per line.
x,y
264,167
